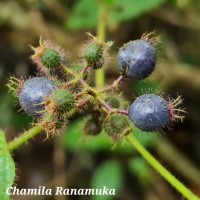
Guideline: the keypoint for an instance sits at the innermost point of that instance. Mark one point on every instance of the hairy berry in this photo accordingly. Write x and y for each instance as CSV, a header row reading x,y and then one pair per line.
x,y
60,100
117,126
113,101
137,59
50,58
92,128
149,112
53,125
33,94
94,55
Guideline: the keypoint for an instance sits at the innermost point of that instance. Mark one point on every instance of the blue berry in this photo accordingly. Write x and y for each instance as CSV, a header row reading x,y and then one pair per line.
x,y
33,94
137,59
149,112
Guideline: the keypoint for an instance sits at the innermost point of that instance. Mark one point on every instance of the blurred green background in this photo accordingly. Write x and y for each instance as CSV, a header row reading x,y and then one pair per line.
x,y
76,161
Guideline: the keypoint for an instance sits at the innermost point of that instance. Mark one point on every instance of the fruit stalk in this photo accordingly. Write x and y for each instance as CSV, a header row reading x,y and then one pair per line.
x,y
18,141
162,170
114,85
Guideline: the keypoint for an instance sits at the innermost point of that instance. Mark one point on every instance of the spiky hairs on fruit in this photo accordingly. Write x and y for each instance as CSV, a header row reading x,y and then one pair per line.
x,y
113,101
176,112
117,126
15,85
53,125
61,101
94,52
150,112
50,58
94,55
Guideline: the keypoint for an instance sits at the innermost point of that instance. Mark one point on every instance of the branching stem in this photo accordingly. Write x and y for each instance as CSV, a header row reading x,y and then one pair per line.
x,y
114,85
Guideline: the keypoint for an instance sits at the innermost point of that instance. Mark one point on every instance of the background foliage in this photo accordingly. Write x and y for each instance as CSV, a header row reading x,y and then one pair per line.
x,y
73,160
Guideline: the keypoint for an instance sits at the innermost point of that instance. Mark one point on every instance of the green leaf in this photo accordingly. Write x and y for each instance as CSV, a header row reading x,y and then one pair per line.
x,y
84,15
109,174
7,168
126,10
110,2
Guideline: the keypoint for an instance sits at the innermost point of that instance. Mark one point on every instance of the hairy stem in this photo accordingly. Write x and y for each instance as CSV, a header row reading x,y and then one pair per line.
x,y
18,141
162,170
101,29
114,85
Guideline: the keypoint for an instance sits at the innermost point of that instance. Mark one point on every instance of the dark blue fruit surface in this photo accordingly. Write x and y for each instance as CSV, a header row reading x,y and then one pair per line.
x,y
137,59
34,92
149,112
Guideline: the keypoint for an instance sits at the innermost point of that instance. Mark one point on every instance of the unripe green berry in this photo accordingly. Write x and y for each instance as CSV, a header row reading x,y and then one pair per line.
x,y
92,128
62,100
50,58
53,125
93,54
113,102
117,126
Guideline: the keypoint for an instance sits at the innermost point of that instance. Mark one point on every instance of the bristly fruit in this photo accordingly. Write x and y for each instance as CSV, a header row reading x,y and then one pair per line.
x,y
137,59
33,93
92,128
60,101
53,125
94,52
50,58
14,85
150,112
113,101
94,55
117,126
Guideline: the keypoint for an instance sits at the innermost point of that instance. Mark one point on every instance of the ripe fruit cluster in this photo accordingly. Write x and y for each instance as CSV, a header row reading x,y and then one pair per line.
x,y
63,89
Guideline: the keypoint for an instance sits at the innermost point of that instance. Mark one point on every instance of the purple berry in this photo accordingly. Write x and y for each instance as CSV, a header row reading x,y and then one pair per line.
x,y
137,59
149,112
33,94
